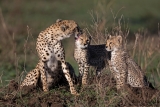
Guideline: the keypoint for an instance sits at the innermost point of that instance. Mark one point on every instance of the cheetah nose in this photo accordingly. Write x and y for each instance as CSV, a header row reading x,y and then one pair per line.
x,y
106,46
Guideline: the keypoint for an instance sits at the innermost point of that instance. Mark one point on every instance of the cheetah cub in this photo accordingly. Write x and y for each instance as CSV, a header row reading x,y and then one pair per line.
x,y
81,56
87,55
123,68
50,51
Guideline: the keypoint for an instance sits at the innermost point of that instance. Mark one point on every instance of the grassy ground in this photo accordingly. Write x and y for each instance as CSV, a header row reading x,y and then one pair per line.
x,y
100,92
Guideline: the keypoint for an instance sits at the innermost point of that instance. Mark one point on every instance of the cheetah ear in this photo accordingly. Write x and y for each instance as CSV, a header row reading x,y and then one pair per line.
x,y
64,28
108,37
119,38
90,38
58,20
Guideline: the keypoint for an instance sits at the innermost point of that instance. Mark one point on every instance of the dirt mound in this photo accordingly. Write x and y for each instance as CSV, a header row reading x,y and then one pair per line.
x,y
139,96
29,96
100,91
129,96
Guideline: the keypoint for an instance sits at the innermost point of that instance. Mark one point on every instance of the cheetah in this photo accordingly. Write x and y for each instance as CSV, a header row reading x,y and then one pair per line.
x,y
123,68
50,50
87,55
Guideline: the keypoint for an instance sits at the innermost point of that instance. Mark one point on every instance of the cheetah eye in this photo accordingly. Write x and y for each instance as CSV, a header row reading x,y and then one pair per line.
x,y
64,28
87,41
110,43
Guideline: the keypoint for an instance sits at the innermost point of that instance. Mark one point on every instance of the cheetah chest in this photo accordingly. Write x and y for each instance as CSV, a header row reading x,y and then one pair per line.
x,y
80,55
114,63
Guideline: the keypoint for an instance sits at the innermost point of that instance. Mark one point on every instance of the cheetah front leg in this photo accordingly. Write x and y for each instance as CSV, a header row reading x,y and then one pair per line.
x,y
60,55
85,74
121,79
43,77
42,70
81,69
119,82
68,77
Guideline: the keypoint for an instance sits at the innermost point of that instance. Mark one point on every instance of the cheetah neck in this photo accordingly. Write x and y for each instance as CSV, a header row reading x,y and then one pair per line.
x,y
117,52
79,54
79,48
114,52
79,51
55,36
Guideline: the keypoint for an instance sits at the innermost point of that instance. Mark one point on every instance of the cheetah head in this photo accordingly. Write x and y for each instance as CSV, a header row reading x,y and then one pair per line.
x,y
82,41
113,43
64,29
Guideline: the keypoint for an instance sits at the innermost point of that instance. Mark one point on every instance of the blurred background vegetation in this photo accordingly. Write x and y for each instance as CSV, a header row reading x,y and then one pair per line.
x,y
22,20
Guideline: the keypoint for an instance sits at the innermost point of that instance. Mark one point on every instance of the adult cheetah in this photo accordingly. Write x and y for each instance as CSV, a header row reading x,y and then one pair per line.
x,y
50,50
